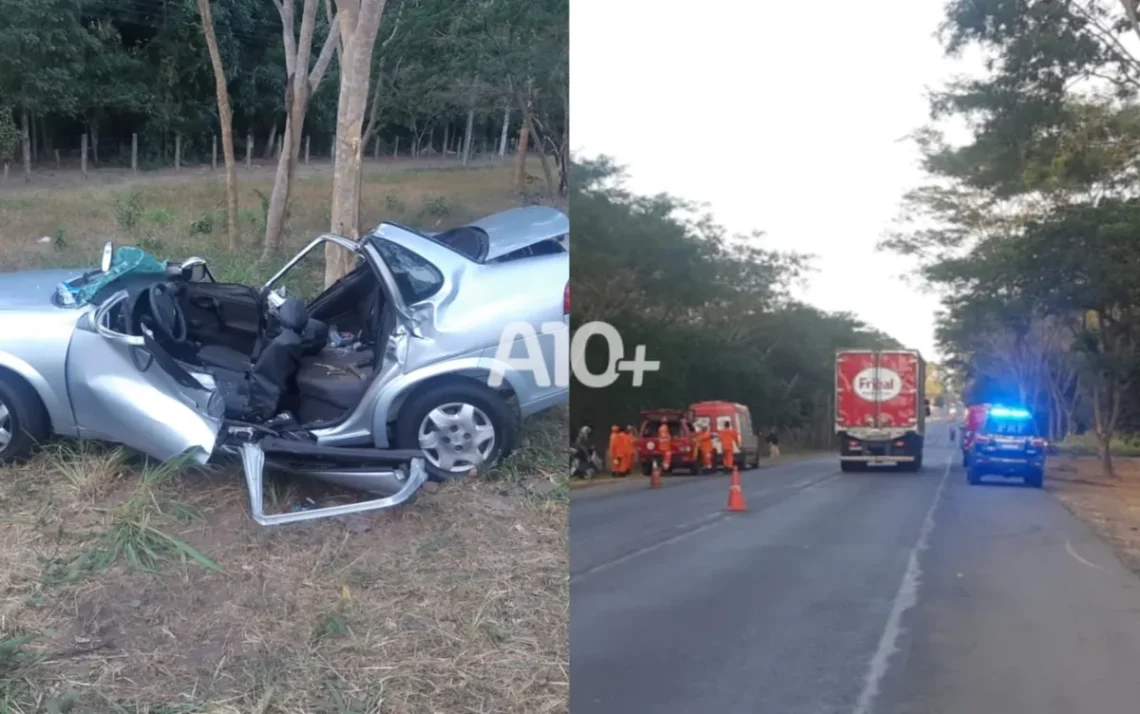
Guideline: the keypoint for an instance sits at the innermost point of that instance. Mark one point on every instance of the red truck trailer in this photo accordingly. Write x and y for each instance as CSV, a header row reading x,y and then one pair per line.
x,y
880,408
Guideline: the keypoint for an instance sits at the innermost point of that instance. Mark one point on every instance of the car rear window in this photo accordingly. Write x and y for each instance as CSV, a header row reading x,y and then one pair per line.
x,y
417,278
1009,427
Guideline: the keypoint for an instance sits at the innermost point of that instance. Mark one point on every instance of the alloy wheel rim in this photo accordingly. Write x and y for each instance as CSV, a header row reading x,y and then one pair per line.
x,y
457,437
5,426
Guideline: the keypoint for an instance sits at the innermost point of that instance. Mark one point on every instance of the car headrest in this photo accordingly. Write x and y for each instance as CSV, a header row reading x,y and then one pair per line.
x,y
292,314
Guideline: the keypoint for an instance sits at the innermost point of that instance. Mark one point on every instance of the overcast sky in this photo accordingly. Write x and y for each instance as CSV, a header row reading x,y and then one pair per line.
x,y
787,117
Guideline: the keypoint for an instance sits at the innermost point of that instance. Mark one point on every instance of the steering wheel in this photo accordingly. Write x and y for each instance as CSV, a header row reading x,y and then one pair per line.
x,y
167,313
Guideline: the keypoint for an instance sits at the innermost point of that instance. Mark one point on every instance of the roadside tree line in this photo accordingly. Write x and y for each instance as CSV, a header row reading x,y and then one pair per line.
x,y
435,76
1031,228
715,309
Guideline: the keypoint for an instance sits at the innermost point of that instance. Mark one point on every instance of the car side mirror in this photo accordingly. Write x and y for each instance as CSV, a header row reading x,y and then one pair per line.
x,y
108,256
195,270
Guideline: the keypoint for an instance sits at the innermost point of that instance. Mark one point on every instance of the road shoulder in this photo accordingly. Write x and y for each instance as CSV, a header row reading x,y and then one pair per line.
x,y
609,486
1111,507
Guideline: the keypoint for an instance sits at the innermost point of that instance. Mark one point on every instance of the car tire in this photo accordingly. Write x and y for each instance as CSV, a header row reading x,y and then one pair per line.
x,y
1035,479
965,459
25,423
646,468
973,476
488,406
850,466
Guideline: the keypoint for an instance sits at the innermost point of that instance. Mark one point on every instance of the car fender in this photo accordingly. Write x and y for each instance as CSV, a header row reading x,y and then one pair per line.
x,y
58,408
478,368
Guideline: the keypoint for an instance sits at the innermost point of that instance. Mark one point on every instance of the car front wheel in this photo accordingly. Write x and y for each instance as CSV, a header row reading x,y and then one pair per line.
x,y
22,420
459,427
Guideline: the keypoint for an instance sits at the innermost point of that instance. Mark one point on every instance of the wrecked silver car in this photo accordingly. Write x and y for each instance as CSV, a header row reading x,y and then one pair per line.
x,y
379,383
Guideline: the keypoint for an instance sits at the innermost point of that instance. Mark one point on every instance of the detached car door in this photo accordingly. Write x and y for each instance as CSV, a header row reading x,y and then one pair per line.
x,y
119,392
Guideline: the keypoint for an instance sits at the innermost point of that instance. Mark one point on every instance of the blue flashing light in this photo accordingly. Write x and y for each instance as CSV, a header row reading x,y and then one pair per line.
x,y
1007,413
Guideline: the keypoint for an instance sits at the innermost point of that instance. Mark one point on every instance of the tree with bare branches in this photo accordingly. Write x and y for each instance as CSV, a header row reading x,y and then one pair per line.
x,y
302,82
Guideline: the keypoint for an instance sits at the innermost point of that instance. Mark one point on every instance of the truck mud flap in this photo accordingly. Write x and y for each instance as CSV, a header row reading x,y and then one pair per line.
x,y
406,468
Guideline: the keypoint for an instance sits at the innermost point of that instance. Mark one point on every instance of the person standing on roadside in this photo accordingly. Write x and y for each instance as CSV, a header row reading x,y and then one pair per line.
x,y
773,441
729,441
665,446
630,445
616,451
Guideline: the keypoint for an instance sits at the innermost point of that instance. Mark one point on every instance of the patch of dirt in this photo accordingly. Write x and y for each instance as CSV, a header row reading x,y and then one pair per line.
x,y
1110,506
456,603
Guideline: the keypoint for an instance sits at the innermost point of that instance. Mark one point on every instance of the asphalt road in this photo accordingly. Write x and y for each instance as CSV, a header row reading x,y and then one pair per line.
x,y
861,593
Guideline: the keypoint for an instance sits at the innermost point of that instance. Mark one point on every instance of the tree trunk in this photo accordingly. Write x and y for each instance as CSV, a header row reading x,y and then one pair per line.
x,y
520,155
83,154
551,189
271,142
503,132
25,144
360,22
46,136
225,118
134,153
94,130
469,135
178,152
1104,419
300,84
249,150
35,139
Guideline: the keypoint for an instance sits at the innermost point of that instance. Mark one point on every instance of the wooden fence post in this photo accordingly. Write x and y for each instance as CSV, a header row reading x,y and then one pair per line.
x,y
396,148
178,152
83,154
214,152
58,163
249,150
307,139
134,153
376,151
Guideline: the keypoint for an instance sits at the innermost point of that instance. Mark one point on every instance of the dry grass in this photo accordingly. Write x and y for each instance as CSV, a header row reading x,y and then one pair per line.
x,y
1110,506
126,587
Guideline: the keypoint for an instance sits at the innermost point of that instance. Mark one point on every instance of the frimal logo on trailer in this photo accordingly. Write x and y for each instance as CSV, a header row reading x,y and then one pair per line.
x,y
878,384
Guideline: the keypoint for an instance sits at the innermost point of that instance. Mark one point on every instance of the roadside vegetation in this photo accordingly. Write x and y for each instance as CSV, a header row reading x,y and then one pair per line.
x,y
1030,230
713,308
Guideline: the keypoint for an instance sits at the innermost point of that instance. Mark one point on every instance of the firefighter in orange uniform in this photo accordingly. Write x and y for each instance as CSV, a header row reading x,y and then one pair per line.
x,y
617,452
729,441
665,446
629,442
704,447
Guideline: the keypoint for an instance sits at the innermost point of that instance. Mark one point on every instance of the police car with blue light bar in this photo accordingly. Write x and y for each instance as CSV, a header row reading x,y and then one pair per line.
x,y
1007,444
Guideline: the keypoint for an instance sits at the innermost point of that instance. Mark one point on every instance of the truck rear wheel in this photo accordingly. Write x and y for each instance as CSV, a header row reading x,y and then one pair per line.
x,y
850,466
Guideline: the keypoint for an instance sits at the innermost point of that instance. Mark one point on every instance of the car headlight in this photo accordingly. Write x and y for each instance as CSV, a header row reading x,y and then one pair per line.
x,y
650,445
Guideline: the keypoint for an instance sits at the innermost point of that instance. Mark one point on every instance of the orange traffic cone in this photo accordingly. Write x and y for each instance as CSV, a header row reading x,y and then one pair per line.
x,y
735,495
655,476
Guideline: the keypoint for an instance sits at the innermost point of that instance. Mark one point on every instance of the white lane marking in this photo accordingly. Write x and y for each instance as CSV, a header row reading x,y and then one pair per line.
x,y
1069,547
702,524
905,598
717,520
